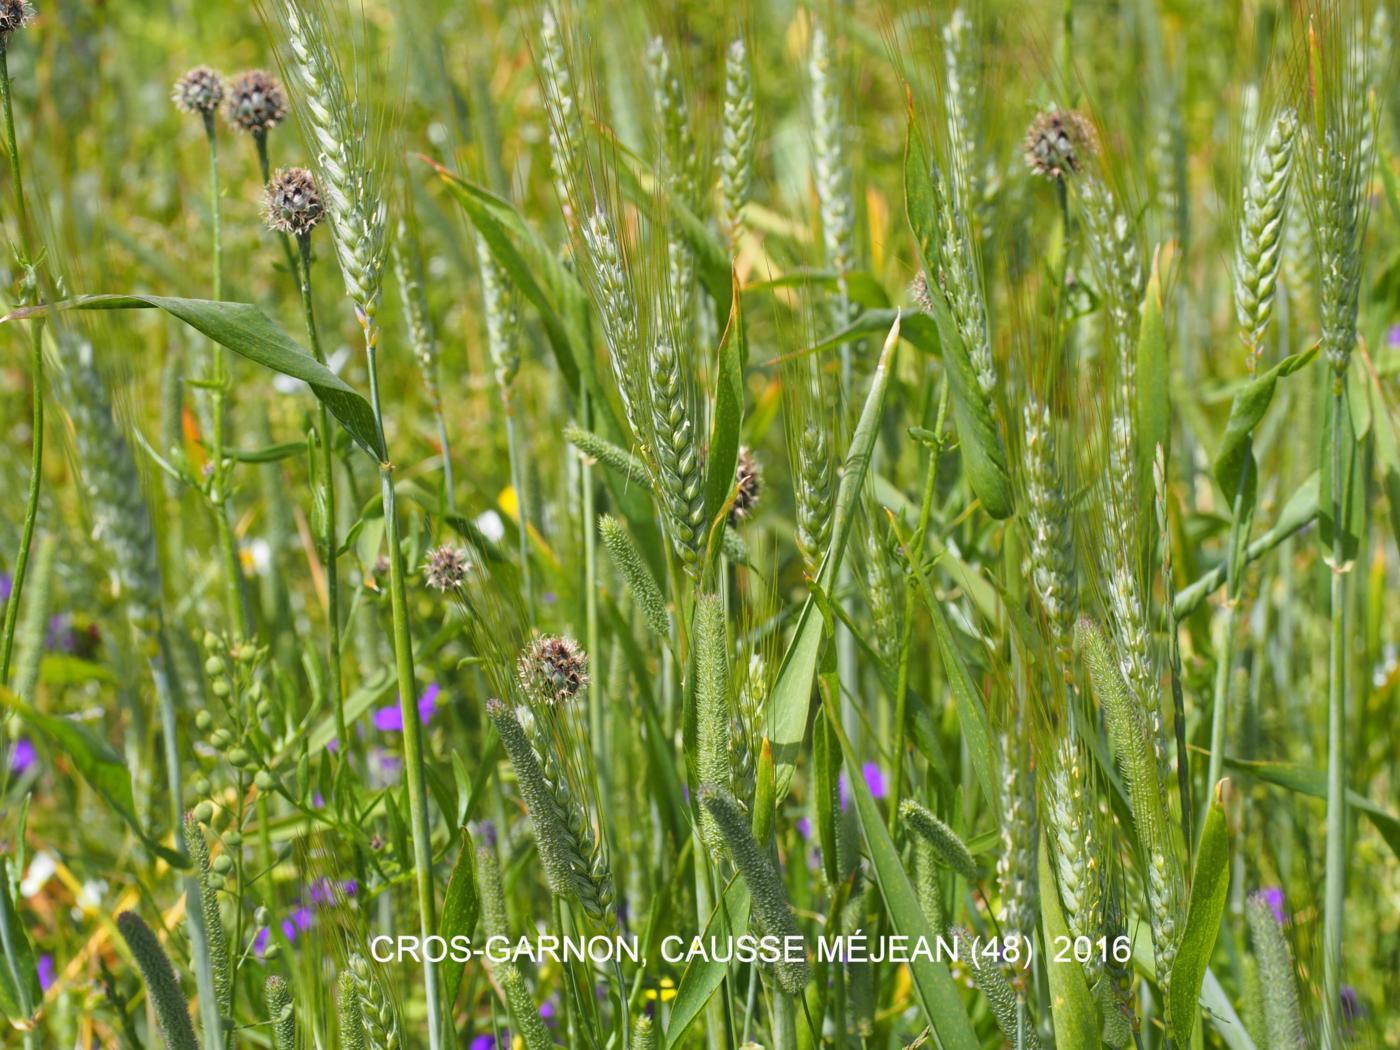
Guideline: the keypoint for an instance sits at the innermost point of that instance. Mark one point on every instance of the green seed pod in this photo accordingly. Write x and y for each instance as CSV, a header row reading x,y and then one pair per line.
x,y
219,687
233,840
278,998
172,1008
204,812
239,758
221,738
949,848
200,786
262,916
214,666
223,864
771,910
264,780
204,721
272,952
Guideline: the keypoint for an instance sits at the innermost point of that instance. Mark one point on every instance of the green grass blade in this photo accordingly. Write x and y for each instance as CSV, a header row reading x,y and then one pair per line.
x,y
1209,884
460,909
1074,1012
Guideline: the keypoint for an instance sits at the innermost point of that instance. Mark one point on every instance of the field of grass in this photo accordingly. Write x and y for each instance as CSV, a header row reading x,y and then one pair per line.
x,y
877,520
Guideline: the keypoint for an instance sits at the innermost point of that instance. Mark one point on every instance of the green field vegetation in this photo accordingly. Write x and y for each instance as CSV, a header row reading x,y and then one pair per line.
x,y
643,470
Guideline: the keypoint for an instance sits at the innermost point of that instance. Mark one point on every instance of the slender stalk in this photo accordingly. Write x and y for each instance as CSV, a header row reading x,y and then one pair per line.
x,y
218,484
517,482
1239,536
265,169
328,536
36,368
408,703
1334,885
901,696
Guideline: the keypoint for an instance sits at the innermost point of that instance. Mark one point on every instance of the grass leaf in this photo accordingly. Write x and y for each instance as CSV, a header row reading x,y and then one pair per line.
x,y
1073,1010
1209,883
460,909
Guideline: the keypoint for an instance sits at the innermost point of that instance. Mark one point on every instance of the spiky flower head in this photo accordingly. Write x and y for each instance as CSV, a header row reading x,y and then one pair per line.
x,y
446,568
293,204
256,102
552,669
198,91
748,478
14,14
1058,142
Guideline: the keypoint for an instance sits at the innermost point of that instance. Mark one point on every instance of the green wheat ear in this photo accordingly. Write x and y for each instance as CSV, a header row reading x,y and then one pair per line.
x,y
351,1021
947,846
280,1013
213,921
172,1008
771,910
379,1020
524,1015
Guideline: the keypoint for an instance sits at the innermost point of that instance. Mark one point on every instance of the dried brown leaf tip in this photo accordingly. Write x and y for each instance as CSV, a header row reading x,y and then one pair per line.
x,y
256,102
552,669
1058,142
198,91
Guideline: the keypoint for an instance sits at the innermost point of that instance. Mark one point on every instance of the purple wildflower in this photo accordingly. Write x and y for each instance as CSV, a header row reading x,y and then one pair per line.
x,y
390,719
47,973
1273,897
804,827
875,780
260,942
6,585
1392,336
487,1041
23,756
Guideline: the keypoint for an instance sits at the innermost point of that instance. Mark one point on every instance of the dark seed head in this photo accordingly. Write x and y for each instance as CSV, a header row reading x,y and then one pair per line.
x,y
748,479
198,91
1058,142
256,101
446,568
14,14
553,669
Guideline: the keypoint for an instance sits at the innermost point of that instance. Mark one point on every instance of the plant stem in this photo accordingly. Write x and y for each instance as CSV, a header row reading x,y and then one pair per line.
x,y
901,697
517,482
1239,538
218,484
36,368
408,704
1334,894
328,537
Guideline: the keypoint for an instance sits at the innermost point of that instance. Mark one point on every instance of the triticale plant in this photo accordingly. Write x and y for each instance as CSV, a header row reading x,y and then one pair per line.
x,y
1262,218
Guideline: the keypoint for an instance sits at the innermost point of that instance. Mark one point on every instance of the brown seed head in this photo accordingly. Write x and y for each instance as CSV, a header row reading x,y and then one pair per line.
x,y
198,91
256,102
14,14
748,478
293,203
1058,142
918,291
446,568
553,669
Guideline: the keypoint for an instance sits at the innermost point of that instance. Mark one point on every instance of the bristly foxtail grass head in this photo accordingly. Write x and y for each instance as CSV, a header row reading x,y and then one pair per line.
x,y
349,156
1259,249
162,986
281,1012
713,708
213,921
1278,984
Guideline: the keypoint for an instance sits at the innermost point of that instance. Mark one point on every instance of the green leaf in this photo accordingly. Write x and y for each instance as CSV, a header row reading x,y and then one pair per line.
x,y
972,713
1387,445
933,984
460,910
1073,1010
1209,884
728,415
1313,783
703,975
984,455
251,334
20,994
104,770
1341,490
861,288
1246,411
915,328
791,699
